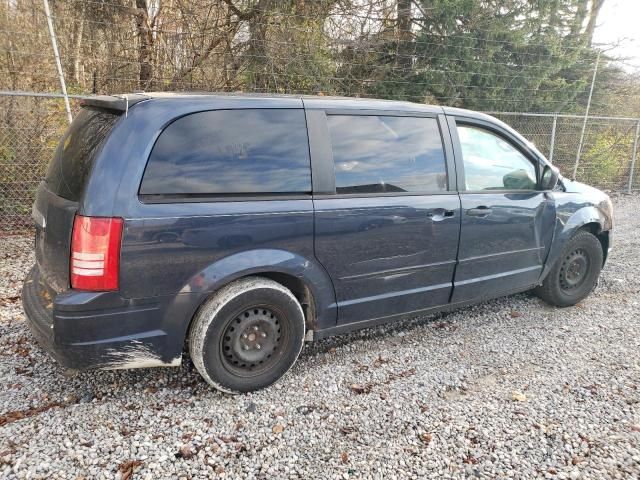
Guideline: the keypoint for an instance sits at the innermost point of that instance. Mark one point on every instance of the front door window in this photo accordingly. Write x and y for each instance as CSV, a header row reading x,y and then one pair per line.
x,y
492,163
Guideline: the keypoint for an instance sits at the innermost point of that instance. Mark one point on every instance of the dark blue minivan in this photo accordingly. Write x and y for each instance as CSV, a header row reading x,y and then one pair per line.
x,y
239,226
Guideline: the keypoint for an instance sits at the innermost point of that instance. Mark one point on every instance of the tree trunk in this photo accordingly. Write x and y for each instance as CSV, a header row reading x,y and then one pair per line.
x,y
579,18
77,48
404,35
145,45
258,58
596,5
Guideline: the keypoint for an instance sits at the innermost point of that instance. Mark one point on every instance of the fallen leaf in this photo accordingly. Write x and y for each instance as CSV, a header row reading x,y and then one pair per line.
x,y
635,427
360,389
515,314
185,452
517,396
470,460
348,430
344,457
127,468
396,375
360,367
378,362
426,438
278,428
10,417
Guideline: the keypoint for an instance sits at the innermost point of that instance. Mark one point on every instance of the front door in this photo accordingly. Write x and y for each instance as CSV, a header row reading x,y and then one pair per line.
x,y
507,222
388,236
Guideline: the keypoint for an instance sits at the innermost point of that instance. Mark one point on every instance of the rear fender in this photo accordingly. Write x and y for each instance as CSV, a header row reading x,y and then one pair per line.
x,y
265,261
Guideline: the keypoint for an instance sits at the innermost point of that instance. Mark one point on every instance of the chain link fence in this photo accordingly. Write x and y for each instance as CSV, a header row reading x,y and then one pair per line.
x,y
30,127
607,157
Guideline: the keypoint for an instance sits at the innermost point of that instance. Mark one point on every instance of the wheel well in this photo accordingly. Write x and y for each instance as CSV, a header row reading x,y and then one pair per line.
x,y
299,290
294,284
603,236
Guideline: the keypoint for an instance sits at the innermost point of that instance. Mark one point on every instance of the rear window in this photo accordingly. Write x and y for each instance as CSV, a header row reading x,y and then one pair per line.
x,y
69,170
383,154
231,152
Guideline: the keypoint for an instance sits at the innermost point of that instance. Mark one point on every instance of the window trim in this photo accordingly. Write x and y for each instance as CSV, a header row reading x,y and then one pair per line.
x,y
158,198
154,199
323,165
454,121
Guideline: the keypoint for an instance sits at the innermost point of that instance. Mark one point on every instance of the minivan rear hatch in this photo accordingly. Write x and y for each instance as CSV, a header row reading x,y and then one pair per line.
x,y
58,196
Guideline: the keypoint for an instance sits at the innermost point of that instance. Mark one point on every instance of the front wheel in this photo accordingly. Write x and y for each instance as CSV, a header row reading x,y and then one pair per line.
x,y
575,274
247,335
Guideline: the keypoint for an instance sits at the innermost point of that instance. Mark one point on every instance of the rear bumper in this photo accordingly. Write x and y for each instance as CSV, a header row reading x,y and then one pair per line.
x,y
85,330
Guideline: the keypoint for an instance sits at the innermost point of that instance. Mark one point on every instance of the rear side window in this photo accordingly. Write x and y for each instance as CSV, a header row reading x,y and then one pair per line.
x,y
380,154
69,170
230,152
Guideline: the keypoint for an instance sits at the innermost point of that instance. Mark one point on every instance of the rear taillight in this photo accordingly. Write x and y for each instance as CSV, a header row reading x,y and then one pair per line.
x,y
95,253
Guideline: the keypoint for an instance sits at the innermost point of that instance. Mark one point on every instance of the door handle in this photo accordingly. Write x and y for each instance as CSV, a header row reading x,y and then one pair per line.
x,y
440,214
481,211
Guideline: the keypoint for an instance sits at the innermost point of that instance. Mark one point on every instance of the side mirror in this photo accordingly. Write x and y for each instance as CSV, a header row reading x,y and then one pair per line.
x,y
550,177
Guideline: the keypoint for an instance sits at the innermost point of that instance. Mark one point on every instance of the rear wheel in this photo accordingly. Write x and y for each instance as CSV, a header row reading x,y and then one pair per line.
x,y
247,335
575,273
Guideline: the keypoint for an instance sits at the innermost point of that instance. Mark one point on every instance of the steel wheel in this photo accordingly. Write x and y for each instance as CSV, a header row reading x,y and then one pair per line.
x,y
252,341
574,270
247,335
575,273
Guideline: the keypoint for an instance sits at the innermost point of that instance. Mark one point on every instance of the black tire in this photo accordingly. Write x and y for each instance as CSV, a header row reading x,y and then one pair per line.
x,y
575,274
247,335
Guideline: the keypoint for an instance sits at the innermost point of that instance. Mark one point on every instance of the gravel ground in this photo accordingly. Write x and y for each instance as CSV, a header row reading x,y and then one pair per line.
x,y
508,389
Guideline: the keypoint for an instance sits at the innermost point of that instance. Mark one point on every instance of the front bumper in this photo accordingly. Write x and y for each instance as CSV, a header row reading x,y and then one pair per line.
x,y
87,330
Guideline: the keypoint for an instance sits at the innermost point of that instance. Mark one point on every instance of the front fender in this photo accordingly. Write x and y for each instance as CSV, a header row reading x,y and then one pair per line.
x,y
568,222
255,262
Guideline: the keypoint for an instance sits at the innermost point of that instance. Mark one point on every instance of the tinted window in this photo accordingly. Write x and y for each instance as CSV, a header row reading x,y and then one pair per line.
x,y
375,154
69,170
231,152
492,163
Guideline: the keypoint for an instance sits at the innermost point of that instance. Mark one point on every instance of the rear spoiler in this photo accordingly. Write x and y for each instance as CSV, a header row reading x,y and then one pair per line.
x,y
120,103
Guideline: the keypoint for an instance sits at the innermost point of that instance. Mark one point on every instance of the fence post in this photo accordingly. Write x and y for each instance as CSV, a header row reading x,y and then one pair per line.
x,y
553,136
633,157
586,117
54,45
